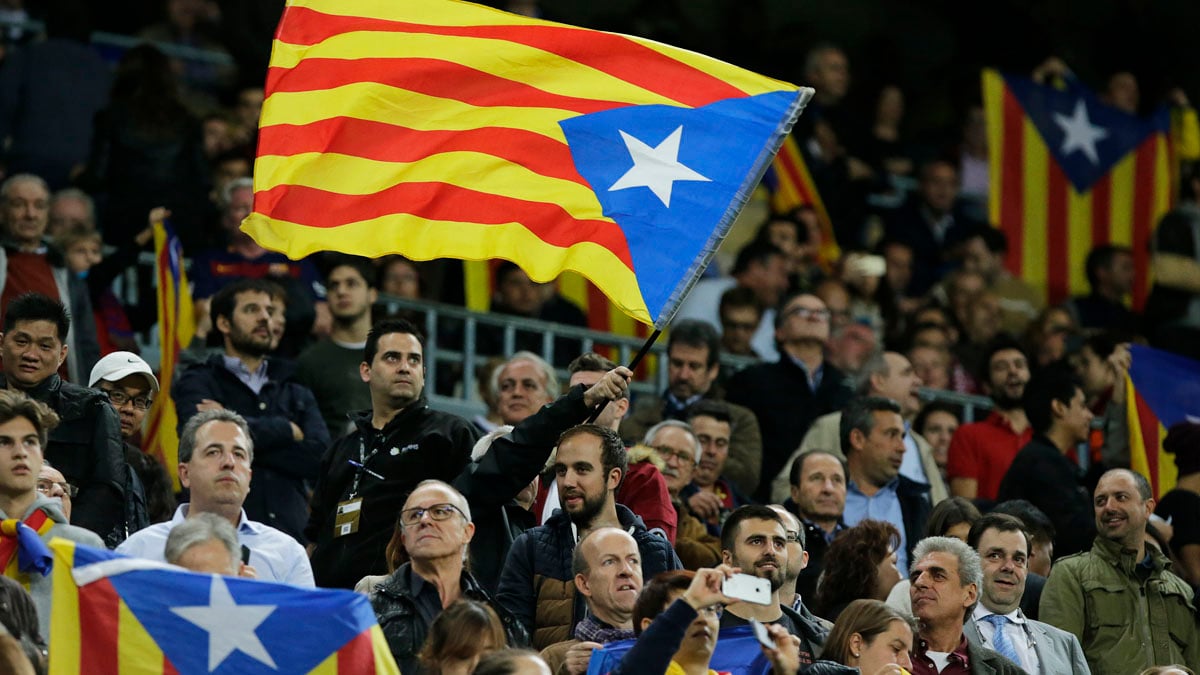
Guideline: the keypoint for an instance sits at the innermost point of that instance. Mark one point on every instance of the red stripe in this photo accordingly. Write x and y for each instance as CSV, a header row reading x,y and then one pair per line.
x,y
1102,211
1149,423
597,309
439,201
1012,205
168,668
98,611
392,143
433,77
1143,215
613,54
1057,272
357,657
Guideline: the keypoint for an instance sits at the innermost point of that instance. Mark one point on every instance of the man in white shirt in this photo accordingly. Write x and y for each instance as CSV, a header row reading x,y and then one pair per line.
x,y
215,453
997,622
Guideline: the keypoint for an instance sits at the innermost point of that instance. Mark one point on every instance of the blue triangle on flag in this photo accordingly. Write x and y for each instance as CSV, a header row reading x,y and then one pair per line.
x,y
1085,136
1168,383
693,163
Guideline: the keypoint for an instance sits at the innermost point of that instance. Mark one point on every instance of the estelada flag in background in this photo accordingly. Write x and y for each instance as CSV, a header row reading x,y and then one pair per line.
x,y
176,327
446,129
791,185
1161,390
118,615
1069,172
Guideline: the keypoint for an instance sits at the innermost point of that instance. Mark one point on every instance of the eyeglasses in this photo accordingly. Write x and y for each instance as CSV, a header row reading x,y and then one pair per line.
x,y
712,610
437,512
808,313
792,536
681,455
45,486
120,398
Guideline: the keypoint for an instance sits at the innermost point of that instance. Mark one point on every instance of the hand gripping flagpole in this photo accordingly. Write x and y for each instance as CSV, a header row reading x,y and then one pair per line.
x,y
633,364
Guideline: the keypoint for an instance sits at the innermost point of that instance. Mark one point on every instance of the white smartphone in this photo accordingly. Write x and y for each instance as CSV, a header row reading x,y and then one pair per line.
x,y
760,632
748,589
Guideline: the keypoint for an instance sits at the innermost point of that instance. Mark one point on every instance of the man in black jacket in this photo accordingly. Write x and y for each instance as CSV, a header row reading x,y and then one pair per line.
x,y
365,477
86,445
436,526
1041,472
286,425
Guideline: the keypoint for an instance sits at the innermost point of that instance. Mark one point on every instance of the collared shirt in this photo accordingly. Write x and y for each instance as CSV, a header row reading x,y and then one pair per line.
x,y
1017,632
675,408
883,505
256,380
828,536
925,662
814,377
273,554
425,597
911,466
984,451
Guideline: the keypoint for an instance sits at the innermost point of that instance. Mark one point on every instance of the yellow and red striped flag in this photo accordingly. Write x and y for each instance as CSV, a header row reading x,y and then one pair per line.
x,y
176,327
1161,390
125,616
445,129
1069,172
791,185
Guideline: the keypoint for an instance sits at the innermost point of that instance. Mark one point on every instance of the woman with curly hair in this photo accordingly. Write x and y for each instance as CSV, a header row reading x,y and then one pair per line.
x,y
860,563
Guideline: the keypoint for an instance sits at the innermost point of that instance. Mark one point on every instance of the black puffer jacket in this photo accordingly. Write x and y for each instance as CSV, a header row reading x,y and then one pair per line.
x,y
537,585
405,629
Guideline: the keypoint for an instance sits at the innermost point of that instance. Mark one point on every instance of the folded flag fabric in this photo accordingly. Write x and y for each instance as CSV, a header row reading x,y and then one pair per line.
x,y
24,539
1161,390
446,129
118,615
737,653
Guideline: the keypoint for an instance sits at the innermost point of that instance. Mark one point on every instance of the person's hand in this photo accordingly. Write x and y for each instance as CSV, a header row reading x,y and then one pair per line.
x,y
578,656
208,404
1119,362
1178,97
705,589
785,658
705,505
323,323
611,387
297,432
890,669
247,572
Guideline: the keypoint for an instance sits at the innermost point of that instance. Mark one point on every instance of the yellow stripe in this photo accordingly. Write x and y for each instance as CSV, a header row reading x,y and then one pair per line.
x,y
385,664
574,288
1079,238
426,239
1035,240
1122,200
65,633
503,58
477,279
350,175
379,103
993,108
327,667
136,650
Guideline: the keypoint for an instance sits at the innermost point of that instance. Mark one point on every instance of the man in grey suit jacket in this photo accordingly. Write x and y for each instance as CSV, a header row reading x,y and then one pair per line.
x,y
997,621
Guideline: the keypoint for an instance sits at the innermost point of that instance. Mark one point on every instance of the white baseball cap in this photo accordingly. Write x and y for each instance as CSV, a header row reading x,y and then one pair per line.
x,y
119,365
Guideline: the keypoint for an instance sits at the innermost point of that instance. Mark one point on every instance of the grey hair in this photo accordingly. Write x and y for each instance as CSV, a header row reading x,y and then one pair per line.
x,y
187,437
970,568
648,439
199,528
876,365
457,497
235,184
7,186
80,195
553,388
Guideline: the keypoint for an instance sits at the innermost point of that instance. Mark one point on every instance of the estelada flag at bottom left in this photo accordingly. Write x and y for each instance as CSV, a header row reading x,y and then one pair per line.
x,y
118,615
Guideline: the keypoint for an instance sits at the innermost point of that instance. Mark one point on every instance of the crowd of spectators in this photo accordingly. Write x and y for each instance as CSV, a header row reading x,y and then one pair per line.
x,y
574,523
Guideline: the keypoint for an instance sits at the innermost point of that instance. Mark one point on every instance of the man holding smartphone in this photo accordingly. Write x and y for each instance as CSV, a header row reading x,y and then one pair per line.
x,y
755,539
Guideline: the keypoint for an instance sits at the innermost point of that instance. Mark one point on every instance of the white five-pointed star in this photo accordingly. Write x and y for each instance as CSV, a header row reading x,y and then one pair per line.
x,y
656,168
1080,133
230,626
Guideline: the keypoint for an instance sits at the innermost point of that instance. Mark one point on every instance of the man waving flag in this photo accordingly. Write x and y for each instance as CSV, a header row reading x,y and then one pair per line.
x,y
447,129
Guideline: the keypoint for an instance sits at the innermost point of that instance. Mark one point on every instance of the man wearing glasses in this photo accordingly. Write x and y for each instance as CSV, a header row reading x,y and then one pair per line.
x,y
436,528
789,394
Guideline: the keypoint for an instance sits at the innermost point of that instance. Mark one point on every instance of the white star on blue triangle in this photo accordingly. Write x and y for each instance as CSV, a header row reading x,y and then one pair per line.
x,y
1081,134
656,168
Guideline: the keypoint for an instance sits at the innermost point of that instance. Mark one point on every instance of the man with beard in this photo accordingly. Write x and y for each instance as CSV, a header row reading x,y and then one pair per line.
x,y
755,539
537,585
329,367
285,422
1122,601
981,452
997,621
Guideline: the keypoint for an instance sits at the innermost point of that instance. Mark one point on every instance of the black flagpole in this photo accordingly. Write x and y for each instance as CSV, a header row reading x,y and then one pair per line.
x,y
637,358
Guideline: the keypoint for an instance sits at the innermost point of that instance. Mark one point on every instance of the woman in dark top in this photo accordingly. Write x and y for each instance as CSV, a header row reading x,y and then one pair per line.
x,y
860,563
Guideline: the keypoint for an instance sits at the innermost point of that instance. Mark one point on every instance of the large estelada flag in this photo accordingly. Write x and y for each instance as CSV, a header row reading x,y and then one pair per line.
x,y
446,129
1069,172
176,327
122,616
1162,390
